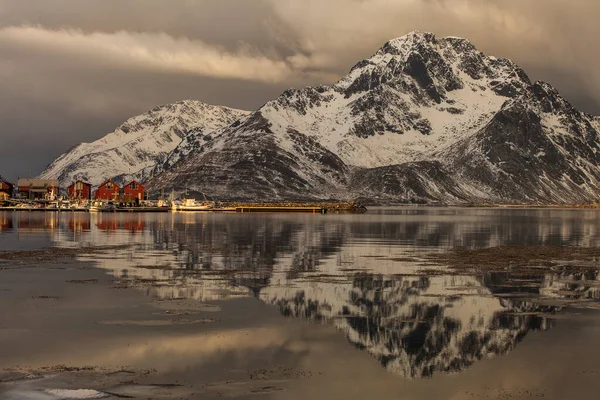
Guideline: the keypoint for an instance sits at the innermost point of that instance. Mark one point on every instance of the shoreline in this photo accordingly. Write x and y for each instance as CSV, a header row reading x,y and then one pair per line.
x,y
321,207
490,206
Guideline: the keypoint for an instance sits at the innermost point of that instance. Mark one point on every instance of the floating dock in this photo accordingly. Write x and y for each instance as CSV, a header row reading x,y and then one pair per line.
x,y
263,209
48,209
141,209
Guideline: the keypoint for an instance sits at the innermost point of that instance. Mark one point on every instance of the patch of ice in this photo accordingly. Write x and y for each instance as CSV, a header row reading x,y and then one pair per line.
x,y
76,393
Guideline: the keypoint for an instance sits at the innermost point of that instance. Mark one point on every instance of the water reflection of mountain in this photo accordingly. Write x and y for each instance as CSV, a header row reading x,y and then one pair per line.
x,y
416,326
353,272
429,228
566,283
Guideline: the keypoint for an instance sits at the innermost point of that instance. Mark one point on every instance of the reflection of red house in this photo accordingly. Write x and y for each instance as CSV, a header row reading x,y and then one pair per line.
x,y
133,190
6,223
38,222
80,190
79,222
107,191
134,226
108,225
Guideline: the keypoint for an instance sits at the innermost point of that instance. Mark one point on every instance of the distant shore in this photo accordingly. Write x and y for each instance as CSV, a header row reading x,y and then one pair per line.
x,y
558,206
486,205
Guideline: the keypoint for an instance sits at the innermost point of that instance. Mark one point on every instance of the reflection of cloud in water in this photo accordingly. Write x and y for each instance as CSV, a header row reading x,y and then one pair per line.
x,y
193,349
356,273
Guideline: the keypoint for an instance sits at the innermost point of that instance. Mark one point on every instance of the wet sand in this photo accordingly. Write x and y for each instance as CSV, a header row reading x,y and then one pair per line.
x,y
69,329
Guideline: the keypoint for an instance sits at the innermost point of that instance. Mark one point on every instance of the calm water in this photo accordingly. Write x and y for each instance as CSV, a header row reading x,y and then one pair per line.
x,y
359,273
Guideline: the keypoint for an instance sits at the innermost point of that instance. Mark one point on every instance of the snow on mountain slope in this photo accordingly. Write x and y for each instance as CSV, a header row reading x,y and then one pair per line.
x,y
537,148
138,143
248,160
414,95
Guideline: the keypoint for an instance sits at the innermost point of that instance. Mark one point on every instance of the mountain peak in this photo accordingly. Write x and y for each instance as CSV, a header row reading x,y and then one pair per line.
x,y
415,36
415,39
404,44
421,62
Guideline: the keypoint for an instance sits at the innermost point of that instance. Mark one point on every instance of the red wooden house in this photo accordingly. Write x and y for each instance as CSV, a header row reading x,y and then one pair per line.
x,y
80,190
6,189
107,191
132,191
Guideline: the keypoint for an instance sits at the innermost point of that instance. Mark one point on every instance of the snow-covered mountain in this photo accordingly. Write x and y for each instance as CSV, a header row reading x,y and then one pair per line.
x,y
424,118
139,143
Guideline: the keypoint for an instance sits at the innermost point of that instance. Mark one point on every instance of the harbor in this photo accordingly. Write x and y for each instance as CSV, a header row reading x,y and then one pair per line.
x,y
288,207
44,195
179,206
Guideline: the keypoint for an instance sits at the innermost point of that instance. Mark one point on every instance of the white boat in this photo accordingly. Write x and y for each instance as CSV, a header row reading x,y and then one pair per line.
x,y
162,203
192,205
102,207
79,207
24,206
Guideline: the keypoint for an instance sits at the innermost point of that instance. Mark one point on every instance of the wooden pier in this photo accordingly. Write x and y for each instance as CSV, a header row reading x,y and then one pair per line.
x,y
289,209
46,209
314,207
142,209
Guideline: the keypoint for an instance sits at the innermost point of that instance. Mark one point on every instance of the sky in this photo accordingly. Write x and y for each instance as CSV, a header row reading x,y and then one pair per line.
x,y
71,71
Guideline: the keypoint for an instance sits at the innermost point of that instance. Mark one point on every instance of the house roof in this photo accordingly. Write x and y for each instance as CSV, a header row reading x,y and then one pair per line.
x,y
38,183
139,184
105,182
79,180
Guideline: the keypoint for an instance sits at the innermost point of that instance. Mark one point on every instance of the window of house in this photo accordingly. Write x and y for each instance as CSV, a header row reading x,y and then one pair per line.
x,y
133,186
109,186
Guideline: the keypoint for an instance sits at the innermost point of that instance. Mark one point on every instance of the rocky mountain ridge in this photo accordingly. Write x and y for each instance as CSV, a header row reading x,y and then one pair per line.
x,y
139,143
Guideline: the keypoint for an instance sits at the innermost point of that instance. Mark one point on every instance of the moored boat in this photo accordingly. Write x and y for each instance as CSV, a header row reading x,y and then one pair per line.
x,y
192,205
102,207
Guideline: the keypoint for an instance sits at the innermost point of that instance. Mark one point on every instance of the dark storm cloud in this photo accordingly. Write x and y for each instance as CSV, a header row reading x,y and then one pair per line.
x,y
71,70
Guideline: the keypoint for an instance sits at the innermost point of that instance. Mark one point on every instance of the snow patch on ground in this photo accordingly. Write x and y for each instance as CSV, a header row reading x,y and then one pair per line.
x,y
76,393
